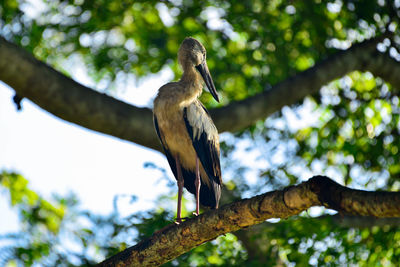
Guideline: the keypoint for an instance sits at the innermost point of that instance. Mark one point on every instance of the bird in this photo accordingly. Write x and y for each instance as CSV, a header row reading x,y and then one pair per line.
x,y
187,133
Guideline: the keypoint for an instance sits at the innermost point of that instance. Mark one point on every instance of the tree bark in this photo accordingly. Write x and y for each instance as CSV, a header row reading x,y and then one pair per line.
x,y
175,240
73,102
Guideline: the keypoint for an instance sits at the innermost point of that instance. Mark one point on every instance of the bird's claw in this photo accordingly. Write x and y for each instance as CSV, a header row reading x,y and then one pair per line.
x,y
179,220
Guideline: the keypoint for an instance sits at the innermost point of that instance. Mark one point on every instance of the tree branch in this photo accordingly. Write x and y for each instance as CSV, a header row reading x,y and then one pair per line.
x,y
362,56
175,240
71,101
76,103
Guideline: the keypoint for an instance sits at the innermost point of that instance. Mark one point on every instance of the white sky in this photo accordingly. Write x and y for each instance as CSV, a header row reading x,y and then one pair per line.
x,y
57,156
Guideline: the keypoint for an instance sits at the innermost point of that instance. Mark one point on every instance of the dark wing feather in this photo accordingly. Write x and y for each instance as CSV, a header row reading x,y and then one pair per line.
x,y
204,138
170,158
188,176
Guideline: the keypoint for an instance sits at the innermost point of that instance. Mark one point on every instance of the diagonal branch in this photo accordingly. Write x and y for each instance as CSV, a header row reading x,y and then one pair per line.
x,y
175,240
362,56
76,103
71,101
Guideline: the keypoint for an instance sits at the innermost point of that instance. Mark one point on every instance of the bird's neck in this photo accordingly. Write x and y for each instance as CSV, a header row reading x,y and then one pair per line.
x,y
191,77
192,83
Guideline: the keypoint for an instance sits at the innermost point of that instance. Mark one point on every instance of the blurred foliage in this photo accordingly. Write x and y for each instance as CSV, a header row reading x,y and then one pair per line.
x,y
349,131
250,45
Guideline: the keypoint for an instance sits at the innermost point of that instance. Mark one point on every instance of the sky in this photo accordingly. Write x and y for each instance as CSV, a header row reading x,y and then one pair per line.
x,y
58,156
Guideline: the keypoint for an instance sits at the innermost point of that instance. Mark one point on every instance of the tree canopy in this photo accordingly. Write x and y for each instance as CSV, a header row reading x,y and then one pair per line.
x,y
308,87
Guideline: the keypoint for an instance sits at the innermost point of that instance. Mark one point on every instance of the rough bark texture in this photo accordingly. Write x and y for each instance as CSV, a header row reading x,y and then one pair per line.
x,y
73,102
175,240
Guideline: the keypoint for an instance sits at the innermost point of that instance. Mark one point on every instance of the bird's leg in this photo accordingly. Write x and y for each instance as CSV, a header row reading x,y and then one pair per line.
x,y
180,190
197,185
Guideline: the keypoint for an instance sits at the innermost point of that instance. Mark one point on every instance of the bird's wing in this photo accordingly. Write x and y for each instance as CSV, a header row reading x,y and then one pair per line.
x,y
205,138
170,158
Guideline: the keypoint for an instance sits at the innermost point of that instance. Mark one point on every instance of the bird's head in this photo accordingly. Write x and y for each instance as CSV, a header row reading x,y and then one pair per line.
x,y
192,54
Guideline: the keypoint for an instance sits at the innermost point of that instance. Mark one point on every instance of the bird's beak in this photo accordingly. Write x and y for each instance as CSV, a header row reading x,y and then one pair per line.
x,y
205,73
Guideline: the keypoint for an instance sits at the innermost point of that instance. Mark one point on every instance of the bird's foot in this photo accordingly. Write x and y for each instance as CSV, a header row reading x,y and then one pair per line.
x,y
179,220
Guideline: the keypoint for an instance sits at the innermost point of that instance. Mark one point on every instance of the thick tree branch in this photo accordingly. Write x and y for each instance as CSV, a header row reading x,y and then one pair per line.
x,y
175,240
72,101
76,103
363,56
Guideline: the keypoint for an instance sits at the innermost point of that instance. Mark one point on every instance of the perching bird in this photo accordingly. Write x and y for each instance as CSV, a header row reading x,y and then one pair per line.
x,y
186,130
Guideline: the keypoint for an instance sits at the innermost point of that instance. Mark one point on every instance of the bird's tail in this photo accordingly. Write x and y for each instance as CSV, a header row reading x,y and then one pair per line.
x,y
209,196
